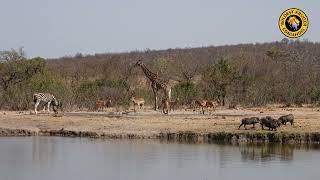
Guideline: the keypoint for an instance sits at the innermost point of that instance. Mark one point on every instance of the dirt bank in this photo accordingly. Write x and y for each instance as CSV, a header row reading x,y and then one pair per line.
x,y
178,126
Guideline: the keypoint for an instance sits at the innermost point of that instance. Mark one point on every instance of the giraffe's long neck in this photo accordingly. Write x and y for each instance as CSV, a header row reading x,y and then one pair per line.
x,y
152,76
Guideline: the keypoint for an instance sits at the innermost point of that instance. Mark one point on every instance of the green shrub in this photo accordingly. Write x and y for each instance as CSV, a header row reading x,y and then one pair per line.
x,y
186,92
86,93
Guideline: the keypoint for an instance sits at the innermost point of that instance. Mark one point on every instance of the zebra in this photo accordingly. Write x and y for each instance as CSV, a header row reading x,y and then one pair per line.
x,y
47,99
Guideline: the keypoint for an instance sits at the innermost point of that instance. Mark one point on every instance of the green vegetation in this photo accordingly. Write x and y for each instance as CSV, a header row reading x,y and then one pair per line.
x,y
248,74
186,92
219,77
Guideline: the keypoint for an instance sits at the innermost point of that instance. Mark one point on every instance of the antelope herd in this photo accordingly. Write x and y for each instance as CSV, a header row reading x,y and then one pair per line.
x,y
139,103
203,104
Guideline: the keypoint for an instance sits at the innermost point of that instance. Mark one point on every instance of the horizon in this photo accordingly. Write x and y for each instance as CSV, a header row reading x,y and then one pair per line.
x,y
176,48
54,29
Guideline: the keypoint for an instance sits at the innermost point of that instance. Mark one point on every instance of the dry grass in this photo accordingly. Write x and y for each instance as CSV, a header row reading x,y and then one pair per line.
x,y
149,123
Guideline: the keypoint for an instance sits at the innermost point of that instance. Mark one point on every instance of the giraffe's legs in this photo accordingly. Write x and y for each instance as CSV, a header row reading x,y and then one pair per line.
x,y
169,94
155,99
155,102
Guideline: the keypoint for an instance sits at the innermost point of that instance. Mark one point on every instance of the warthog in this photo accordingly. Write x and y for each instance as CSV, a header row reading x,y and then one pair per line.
x,y
286,118
246,121
270,123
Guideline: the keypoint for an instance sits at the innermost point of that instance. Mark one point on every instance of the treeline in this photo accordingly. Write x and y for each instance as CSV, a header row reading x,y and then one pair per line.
x,y
247,74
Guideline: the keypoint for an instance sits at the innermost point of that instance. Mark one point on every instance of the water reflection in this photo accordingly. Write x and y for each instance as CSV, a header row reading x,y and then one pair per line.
x,y
266,152
81,158
42,150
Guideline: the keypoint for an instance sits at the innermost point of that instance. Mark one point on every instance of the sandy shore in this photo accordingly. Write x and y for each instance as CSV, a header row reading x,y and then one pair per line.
x,y
177,126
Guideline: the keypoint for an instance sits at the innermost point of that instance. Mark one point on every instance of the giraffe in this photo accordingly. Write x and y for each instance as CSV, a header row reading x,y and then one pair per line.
x,y
156,85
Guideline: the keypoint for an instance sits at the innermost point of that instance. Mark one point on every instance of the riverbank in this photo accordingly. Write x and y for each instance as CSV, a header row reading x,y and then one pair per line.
x,y
183,126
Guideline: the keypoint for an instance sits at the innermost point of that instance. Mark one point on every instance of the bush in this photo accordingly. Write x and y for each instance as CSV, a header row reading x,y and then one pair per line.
x,y
186,92
86,93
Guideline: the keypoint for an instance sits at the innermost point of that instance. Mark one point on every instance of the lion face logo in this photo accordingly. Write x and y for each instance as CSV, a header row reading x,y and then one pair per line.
x,y
294,22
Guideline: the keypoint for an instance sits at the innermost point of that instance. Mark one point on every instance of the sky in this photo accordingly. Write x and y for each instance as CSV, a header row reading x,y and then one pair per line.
x,y
56,28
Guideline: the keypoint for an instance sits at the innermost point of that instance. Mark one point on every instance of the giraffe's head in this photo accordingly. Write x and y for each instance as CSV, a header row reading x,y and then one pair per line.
x,y
138,63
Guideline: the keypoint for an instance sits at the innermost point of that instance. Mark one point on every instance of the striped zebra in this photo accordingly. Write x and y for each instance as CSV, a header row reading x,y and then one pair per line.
x,y
47,99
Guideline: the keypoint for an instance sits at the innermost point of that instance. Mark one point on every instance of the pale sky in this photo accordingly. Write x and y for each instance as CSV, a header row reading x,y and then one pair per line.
x,y
54,28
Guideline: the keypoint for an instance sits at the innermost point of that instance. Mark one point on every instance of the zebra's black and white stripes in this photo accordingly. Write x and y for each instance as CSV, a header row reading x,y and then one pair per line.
x,y
47,99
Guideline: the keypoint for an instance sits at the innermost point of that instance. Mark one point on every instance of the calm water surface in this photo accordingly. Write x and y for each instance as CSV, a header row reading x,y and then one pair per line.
x,y
54,158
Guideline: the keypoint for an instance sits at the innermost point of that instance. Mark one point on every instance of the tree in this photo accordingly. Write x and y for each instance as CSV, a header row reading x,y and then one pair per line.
x,y
186,66
15,68
219,77
186,92
12,55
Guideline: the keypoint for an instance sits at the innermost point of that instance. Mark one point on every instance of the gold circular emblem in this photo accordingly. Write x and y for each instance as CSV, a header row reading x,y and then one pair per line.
x,y
293,23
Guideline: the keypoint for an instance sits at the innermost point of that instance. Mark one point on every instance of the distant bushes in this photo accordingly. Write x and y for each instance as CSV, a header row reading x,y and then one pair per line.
x,y
285,72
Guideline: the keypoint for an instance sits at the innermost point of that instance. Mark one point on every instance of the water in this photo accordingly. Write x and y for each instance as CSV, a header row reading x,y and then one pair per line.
x,y
52,158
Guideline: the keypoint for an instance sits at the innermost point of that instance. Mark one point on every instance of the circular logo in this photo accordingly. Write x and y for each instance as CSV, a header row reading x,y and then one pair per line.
x,y
293,23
